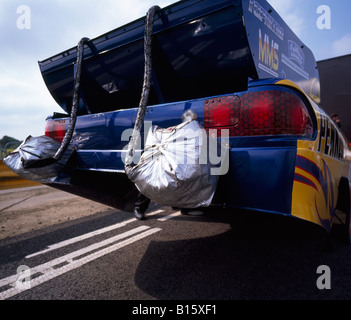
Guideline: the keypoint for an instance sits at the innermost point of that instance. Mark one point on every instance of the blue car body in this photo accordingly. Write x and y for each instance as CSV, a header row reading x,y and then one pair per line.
x,y
204,51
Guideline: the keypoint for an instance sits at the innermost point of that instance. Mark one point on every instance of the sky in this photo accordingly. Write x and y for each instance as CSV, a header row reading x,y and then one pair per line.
x,y
33,30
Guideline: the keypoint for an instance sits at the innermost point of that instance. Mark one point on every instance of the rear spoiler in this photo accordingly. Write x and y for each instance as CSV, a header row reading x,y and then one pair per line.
x,y
200,48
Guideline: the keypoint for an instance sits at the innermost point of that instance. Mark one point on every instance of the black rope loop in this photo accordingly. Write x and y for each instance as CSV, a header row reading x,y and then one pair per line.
x,y
146,87
75,100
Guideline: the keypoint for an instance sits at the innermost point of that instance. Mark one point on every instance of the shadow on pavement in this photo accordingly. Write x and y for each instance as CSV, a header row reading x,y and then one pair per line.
x,y
261,257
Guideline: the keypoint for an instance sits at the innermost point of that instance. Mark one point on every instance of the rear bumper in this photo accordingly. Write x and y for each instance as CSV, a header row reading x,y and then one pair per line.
x,y
258,179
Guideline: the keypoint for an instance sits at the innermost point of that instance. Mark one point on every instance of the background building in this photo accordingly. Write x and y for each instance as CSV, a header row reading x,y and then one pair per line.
x,y
335,78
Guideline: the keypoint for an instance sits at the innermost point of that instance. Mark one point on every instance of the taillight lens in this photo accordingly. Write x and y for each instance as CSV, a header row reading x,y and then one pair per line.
x,y
56,129
256,113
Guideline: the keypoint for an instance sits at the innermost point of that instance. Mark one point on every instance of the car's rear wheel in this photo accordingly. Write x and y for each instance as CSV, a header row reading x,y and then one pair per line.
x,y
342,213
348,228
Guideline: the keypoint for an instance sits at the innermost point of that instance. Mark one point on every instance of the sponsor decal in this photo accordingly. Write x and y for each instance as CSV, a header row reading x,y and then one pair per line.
x,y
320,179
268,54
295,67
295,53
295,59
329,140
266,18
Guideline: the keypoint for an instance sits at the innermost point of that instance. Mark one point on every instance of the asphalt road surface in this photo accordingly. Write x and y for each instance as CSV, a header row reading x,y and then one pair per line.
x,y
55,246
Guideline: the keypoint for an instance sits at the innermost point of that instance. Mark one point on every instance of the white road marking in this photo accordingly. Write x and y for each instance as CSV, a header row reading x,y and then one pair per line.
x,y
75,254
87,235
155,212
172,215
80,238
52,269
50,273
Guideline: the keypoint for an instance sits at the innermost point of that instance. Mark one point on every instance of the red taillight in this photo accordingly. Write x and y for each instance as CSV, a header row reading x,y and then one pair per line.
x,y
269,112
222,111
56,129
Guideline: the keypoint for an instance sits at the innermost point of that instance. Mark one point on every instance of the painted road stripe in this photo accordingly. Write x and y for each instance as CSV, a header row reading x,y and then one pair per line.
x,y
72,264
87,236
75,254
172,215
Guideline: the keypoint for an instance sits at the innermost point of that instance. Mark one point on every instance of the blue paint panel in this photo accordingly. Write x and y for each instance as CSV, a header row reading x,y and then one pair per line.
x,y
100,142
259,179
261,170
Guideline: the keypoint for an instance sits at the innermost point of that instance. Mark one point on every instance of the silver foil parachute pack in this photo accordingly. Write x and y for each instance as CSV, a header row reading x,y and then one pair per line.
x,y
33,159
180,166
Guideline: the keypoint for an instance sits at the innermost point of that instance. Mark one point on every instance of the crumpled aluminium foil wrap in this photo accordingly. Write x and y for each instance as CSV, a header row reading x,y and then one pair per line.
x,y
33,149
175,169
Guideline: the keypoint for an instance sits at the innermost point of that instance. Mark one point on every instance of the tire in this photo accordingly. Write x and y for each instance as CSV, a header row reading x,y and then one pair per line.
x,y
347,230
343,204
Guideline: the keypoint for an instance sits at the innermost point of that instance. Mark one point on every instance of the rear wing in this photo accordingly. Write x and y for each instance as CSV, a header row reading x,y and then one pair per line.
x,y
277,52
200,48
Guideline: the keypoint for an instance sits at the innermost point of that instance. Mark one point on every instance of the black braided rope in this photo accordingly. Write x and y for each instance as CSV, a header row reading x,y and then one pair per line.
x,y
75,101
146,87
